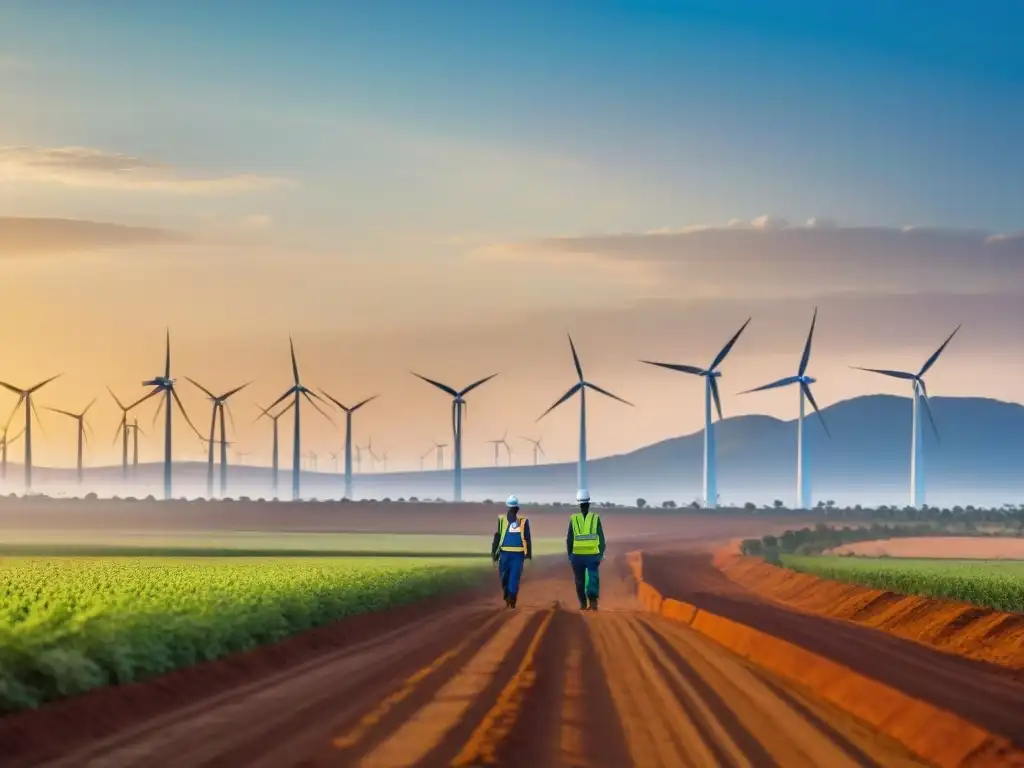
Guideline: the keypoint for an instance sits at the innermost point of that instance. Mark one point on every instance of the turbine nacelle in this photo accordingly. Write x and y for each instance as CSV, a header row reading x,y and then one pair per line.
x,y
162,382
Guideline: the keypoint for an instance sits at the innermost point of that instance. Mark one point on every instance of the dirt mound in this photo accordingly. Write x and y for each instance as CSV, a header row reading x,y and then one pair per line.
x,y
960,628
941,547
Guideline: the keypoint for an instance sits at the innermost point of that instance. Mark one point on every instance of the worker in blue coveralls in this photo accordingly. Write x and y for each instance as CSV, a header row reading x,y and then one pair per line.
x,y
511,549
585,546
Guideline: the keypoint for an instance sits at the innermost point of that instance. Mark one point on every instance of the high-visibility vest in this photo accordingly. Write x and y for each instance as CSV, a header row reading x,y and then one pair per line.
x,y
585,540
517,535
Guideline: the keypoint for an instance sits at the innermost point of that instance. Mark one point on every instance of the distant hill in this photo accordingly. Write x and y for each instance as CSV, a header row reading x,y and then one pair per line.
x,y
980,460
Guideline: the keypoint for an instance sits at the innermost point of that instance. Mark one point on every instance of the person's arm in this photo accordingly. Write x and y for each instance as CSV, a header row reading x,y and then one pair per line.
x,y
495,543
568,541
526,538
600,537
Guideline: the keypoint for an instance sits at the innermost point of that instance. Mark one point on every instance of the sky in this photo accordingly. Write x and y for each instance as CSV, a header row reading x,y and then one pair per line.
x,y
450,188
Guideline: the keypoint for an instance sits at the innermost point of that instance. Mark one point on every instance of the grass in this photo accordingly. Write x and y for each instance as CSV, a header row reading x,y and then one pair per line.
x,y
251,544
997,584
71,624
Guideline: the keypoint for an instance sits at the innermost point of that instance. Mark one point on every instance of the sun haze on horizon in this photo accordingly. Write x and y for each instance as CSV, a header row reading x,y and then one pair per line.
x,y
452,192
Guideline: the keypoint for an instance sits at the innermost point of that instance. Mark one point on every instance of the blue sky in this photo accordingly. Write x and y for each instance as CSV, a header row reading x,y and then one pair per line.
x,y
378,177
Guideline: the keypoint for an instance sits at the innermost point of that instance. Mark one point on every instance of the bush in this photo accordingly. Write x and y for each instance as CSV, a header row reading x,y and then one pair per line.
x,y
641,503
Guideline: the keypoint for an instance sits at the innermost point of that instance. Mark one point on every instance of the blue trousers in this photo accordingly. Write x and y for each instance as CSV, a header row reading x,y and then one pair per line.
x,y
510,567
585,574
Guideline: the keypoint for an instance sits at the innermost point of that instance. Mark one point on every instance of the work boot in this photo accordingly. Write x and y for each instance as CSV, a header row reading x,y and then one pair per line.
x,y
512,601
593,603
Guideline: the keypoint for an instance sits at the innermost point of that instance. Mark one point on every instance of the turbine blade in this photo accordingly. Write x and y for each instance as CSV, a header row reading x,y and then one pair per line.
x,y
58,410
289,393
810,398
231,417
120,430
887,372
575,358
43,383
14,412
931,360
774,385
90,405
39,420
572,391
606,393
206,392
439,385
234,391
677,367
295,364
184,413
728,347
359,405
714,394
313,403
144,398
12,388
116,399
159,408
807,347
264,412
931,417
476,384
85,435
334,400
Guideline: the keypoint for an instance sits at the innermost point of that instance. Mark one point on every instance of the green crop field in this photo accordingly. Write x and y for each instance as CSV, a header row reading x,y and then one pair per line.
x,y
71,624
995,584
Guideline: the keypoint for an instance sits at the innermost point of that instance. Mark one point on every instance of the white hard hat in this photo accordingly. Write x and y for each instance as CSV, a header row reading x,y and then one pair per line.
x,y
512,501
582,495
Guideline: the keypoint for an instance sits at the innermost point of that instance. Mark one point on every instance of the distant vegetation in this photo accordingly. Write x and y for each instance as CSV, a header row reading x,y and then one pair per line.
x,y
992,584
70,625
811,541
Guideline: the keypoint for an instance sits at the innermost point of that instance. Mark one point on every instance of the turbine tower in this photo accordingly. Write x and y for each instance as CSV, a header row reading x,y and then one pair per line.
x,y
440,454
581,387
458,406
25,398
136,430
710,374
165,385
82,426
803,474
298,391
348,437
537,450
384,460
265,413
219,407
920,397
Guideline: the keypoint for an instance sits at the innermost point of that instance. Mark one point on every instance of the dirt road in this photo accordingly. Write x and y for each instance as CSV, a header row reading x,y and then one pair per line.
x,y
541,685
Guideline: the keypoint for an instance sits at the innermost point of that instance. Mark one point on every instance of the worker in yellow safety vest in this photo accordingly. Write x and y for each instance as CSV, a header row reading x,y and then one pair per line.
x,y
511,549
584,545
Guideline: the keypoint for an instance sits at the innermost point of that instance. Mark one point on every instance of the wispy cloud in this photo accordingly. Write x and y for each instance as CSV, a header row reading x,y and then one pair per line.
x,y
770,257
41,236
100,169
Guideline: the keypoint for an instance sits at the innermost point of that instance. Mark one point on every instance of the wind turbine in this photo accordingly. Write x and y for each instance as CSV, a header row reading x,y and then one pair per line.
x,y
374,458
502,441
440,454
312,461
536,448
348,437
920,396
122,432
581,387
424,456
334,458
265,413
298,391
136,429
219,407
803,475
81,425
458,405
384,460
25,398
165,385
241,455
710,374
4,442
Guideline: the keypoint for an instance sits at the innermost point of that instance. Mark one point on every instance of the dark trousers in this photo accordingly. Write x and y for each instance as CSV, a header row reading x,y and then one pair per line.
x,y
510,568
586,576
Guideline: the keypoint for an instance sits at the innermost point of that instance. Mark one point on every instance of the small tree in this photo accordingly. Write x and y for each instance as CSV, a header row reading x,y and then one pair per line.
x,y
641,503
750,506
778,504
668,504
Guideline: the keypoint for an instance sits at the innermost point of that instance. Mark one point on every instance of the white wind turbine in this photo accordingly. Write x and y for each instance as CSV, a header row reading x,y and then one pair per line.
x,y
458,406
537,449
920,397
581,387
440,454
348,437
81,427
502,441
710,374
803,474
25,398
424,457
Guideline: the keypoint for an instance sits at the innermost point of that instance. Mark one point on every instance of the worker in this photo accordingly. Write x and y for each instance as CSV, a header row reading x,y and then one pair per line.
x,y
584,545
511,549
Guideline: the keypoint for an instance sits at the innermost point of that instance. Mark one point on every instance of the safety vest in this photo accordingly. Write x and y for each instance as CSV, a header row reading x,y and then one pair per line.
x,y
512,538
585,540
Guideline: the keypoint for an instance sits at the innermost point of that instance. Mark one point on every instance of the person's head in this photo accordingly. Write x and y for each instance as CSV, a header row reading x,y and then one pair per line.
x,y
583,499
512,507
